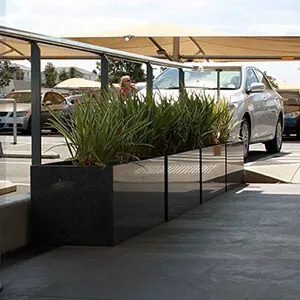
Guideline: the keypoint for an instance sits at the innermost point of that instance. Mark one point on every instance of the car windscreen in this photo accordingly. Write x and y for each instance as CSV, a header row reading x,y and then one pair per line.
x,y
21,97
204,79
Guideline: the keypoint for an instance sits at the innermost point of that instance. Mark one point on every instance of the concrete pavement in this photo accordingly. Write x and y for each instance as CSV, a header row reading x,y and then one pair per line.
x,y
242,245
23,147
283,167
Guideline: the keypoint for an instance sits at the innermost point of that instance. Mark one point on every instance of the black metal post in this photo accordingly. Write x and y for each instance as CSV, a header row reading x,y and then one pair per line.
x,y
35,104
166,188
200,175
104,73
149,79
181,81
226,170
218,83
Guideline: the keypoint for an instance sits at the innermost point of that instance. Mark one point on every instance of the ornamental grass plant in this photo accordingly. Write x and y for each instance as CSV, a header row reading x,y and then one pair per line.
x,y
111,129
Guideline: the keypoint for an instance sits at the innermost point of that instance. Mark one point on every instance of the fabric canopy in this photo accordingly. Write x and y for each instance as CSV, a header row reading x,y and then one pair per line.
x,y
18,49
78,83
161,40
153,40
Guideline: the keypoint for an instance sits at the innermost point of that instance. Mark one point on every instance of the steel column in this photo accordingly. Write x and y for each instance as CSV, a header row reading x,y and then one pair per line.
x,y
200,176
181,82
176,48
166,187
149,79
35,103
104,73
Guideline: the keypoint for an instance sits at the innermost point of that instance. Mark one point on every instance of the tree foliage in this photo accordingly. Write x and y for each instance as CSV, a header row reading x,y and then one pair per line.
x,y
119,68
63,75
272,80
50,75
19,73
72,72
5,73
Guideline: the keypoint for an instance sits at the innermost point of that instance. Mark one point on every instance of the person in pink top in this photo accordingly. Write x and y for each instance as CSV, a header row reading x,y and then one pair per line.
x,y
127,88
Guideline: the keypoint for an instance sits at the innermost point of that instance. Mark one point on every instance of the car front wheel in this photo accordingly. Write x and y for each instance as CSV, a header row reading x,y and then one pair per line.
x,y
245,136
274,146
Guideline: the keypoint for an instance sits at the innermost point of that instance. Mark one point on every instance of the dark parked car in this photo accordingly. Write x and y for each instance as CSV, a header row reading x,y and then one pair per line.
x,y
291,111
50,99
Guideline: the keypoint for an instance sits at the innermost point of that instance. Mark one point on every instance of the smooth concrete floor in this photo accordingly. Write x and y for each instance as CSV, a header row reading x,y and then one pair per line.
x,y
244,245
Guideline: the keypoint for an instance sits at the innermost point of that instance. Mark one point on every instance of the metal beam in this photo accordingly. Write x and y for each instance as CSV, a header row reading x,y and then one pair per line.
x,y
160,48
198,46
12,48
176,48
6,52
149,79
242,57
35,104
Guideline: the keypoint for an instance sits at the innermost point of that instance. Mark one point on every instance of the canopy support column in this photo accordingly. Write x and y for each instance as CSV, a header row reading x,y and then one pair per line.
x,y
35,104
176,48
181,82
149,79
104,73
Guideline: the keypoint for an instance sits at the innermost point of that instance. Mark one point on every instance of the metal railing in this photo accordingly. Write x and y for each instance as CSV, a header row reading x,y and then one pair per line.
x,y
14,103
35,40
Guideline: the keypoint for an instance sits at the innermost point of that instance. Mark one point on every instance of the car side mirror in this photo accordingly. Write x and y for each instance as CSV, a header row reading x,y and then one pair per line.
x,y
257,87
48,103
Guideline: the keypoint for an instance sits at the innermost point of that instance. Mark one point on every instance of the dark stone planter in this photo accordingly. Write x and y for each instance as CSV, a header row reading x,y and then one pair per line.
x,y
90,206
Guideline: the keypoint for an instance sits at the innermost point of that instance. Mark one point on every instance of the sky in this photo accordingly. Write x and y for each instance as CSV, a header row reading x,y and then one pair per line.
x,y
60,17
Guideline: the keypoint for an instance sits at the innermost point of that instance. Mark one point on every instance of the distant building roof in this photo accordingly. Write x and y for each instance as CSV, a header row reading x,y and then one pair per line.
x,y
83,71
14,65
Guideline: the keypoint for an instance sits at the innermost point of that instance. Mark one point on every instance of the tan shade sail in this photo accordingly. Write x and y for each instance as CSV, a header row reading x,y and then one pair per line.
x,y
152,40
18,49
78,83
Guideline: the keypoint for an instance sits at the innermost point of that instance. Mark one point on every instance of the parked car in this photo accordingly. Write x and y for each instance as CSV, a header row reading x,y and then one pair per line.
x,y
258,106
50,99
291,111
74,99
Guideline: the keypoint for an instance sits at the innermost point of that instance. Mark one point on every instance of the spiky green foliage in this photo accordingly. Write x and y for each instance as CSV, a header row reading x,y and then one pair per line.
x,y
113,129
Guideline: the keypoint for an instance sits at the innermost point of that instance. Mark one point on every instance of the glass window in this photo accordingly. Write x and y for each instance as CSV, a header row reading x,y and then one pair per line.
x,y
20,97
262,79
250,78
48,97
206,79
58,99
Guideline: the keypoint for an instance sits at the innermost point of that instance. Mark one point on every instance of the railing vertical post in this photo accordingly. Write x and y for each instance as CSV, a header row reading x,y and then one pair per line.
x,y
149,79
104,73
35,103
200,175
226,169
15,122
181,82
166,188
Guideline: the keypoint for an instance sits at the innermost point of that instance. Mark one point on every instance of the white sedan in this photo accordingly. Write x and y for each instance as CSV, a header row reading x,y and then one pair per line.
x,y
259,108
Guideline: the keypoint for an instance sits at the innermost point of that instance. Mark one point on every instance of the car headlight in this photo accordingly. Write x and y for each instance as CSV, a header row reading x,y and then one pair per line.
x,y
20,114
292,115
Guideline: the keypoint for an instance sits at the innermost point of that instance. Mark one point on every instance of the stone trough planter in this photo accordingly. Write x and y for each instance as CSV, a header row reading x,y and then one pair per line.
x,y
90,206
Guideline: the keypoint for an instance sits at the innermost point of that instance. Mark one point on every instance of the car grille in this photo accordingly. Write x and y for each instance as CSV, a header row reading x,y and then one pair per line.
x,y
3,113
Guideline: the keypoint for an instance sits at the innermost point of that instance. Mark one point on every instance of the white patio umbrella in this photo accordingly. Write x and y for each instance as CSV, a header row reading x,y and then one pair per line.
x,y
78,83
